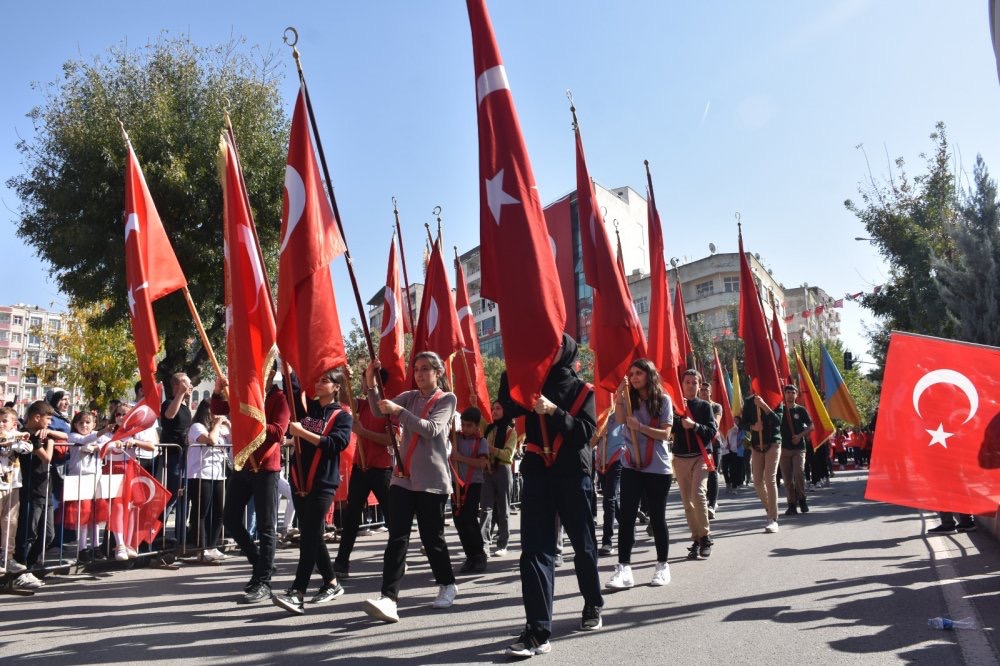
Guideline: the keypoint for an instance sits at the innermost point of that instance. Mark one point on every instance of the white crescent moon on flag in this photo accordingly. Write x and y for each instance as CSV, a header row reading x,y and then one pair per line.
x,y
296,192
132,224
946,376
552,244
593,229
150,489
432,316
248,242
390,317
141,416
464,312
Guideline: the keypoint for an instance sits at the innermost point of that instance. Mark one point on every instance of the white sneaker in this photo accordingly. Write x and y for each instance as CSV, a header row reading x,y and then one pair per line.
x,y
383,608
446,596
27,581
213,555
622,578
661,575
771,527
499,552
121,553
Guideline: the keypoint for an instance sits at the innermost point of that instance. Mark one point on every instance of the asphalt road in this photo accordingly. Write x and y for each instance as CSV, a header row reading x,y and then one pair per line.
x,y
851,582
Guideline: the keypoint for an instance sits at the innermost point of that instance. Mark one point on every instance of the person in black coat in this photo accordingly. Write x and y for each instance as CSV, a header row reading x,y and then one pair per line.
x,y
693,431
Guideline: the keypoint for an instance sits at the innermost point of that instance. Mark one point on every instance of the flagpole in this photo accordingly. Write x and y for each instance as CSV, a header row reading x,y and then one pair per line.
x,y
402,259
379,388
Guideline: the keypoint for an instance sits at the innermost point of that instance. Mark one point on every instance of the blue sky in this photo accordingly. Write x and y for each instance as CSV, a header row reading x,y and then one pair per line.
x,y
750,107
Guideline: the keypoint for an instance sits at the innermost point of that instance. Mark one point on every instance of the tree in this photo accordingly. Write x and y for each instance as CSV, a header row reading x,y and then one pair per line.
x,y
910,222
864,391
171,96
98,359
969,284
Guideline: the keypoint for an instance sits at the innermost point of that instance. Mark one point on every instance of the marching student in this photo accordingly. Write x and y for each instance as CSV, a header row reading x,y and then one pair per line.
x,y
610,447
557,471
498,480
324,430
764,424
692,434
647,414
705,393
423,484
469,458
795,428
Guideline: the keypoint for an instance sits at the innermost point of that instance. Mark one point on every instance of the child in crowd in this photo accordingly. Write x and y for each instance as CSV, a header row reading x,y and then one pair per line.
x,y
469,458
84,462
12,444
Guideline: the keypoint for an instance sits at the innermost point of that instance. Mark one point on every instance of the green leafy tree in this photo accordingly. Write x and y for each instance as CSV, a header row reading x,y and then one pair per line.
x,y
910,222
864,391
171,95
96,358
969,284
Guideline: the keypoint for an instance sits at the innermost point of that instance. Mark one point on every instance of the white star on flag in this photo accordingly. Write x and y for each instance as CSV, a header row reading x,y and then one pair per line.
x,y
496,197
132,224
939,436
131,296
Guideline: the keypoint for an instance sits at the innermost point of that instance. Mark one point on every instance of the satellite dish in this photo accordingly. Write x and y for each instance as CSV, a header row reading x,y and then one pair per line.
x,y
673,262
711,248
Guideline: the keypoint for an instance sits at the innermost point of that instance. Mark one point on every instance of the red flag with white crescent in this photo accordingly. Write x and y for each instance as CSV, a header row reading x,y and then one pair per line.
x,y
438,329
308,327
250,327
518,266
470,377
758,361
937,438
391,352
778,345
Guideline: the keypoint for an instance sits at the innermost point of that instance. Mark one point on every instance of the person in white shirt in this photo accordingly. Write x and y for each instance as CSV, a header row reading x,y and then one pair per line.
x,y
207,458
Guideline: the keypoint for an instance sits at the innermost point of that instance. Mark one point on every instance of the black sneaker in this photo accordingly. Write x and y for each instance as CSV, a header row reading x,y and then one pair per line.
x,y
606,550
527,645
591,618
943,529
255,594
804,506
694,552
342,570
291,601
791,510
966,527
328,592
466,566
479,564
706,546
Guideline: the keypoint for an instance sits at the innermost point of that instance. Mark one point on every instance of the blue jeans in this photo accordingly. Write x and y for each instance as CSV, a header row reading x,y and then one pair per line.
x,y
611,487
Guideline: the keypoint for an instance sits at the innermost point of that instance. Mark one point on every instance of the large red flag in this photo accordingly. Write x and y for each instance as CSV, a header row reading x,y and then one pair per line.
x,y
308,333
152,272
147,500
937,441
391,351
438,329
758,361
470,377
518,267
681,326
778,347
663,349
250,327
720,394
615,333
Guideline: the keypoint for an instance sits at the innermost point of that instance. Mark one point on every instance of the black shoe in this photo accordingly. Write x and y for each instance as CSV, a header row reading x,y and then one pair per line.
x,y
479,564
591,618
528,645
255,594
966,527
606,550
694,552
466,566
803,507
642,518
791,510
328,592
291,601
943,529
706,546
342,570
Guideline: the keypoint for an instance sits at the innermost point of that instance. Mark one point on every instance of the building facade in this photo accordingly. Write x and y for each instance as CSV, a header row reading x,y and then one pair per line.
x,y
811,314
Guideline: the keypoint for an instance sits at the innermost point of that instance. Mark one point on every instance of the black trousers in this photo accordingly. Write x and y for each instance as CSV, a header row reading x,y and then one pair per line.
x,y
311,511
467,523
29,541
429,509
363,482
206,503
713,479
262,488
654,487
545,496
173,463
610,488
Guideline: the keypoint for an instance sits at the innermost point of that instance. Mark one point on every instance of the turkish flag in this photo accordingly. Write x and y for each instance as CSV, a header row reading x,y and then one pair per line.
x,y
470,377
438,329
518,266
142,416
936,442
778,348
308,327
681,326
151,272
615,332
250,327
391,352
147,500
758,359
720,394
662,347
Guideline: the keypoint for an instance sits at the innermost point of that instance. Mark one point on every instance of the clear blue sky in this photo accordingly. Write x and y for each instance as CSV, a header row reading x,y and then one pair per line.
x,y
749,107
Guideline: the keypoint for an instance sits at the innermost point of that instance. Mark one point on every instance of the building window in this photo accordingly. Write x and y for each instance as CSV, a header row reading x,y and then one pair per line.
x,y
731,284
36,322
31,394
18,320
12,372
486,327
5,336
15,354
54,325
4,318
492,347
703,289
34,340
14,337
641,304
12,391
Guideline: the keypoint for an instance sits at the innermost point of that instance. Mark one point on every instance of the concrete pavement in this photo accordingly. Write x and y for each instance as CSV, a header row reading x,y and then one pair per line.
x,y
851,582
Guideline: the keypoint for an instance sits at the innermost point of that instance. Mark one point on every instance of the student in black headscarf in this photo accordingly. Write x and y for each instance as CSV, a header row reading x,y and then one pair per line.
x,y
557,483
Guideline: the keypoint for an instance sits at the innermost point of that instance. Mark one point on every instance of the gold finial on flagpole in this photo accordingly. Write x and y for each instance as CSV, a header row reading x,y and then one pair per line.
x,y
572,109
